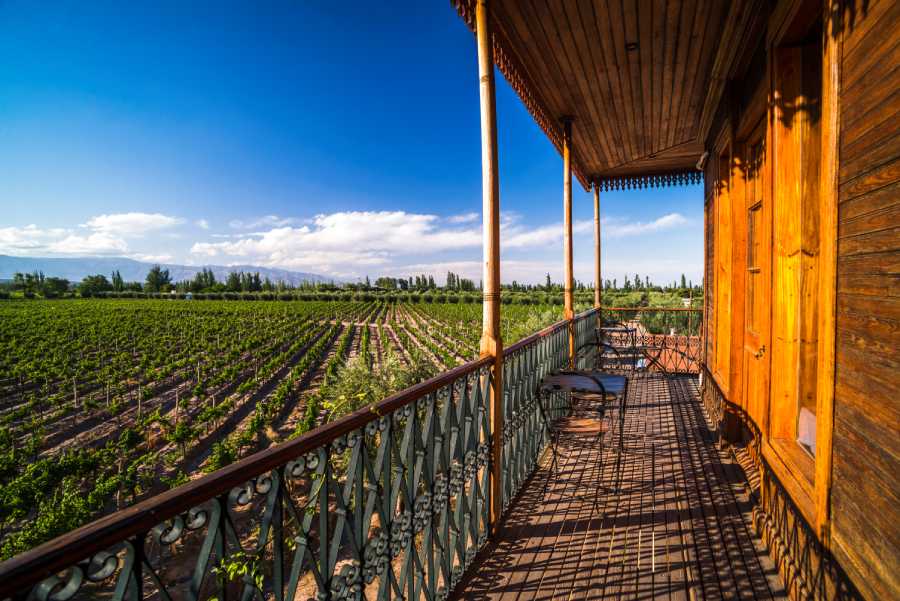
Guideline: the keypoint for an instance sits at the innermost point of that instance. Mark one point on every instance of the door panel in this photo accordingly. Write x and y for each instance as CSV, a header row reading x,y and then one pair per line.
x,y
758,293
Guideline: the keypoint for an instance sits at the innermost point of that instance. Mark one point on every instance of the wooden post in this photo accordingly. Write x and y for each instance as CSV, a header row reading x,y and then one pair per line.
x,y
598,279
491,343
569,284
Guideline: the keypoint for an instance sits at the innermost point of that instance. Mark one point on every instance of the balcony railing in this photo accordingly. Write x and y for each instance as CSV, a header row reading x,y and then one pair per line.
x,y
672,335
391,502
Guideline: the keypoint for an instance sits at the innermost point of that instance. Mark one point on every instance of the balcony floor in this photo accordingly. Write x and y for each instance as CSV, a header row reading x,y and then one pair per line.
x,y
678,527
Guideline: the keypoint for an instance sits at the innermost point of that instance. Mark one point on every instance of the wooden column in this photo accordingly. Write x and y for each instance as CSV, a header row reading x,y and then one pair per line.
x,y
491,344
598,280
569,281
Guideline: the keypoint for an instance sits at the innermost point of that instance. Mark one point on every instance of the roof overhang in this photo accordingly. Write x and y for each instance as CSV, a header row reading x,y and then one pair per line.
x,y
635,77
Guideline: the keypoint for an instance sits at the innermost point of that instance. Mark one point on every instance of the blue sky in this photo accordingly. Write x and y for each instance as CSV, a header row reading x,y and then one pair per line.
x,y
311,136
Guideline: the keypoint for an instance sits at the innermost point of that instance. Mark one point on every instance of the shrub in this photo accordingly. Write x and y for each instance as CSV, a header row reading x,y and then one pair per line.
x,y
452,298
285,296
4,295
427,298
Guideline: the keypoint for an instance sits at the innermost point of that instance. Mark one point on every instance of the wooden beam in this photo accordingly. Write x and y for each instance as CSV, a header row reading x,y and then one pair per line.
x,y
491,343
569,283
598,280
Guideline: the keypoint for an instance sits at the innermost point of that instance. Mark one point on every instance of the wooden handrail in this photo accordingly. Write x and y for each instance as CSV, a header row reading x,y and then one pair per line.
x,y
661,309
543,333
30,567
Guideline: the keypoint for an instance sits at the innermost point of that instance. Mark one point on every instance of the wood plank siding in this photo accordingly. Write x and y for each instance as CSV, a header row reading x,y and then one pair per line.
x,y
865,494
850,520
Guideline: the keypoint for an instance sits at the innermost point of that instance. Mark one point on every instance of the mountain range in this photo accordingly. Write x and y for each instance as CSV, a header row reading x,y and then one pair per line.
x,y
74,269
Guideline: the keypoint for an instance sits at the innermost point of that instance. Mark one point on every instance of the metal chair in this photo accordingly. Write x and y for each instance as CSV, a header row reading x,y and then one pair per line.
x,y
598,385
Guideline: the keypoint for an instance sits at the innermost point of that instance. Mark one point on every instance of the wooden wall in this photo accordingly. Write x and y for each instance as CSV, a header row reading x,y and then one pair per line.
x,y
865,498
858,534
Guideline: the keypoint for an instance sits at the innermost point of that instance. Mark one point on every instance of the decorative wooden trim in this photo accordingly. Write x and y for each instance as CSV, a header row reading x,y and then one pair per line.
x,y
517,77
827,298
650,180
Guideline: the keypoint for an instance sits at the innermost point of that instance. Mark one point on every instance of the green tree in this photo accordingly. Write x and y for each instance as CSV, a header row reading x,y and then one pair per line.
x,y
118,284
158,279
233,283
92,285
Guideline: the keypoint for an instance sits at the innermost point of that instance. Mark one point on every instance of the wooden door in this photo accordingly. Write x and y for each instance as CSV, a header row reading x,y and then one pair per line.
x,y
758,292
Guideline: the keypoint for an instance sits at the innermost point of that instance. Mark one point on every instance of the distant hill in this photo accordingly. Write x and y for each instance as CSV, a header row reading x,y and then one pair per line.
x,y
74,269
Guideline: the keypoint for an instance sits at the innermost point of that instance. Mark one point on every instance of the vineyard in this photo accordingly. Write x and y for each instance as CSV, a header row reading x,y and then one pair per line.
x,y
106,402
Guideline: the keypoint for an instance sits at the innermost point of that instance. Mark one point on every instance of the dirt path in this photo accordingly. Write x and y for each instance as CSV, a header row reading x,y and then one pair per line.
x,y
310,383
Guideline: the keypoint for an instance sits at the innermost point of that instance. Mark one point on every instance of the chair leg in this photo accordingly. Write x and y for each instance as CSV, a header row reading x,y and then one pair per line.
x,y
600,477
554,461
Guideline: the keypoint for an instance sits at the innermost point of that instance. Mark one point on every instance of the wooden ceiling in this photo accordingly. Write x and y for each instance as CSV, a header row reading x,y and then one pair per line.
x,y
633,74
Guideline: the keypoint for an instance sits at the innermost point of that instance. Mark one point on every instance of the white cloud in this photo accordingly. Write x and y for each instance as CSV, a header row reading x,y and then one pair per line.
x,y
98,243
18,240
618,229
153,258
270,221
336,239
513,235
32,240
396,242
131,224
202,224
464,218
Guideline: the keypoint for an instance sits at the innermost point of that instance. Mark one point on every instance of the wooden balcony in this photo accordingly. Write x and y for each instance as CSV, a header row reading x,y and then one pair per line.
x,y
393,502
669,518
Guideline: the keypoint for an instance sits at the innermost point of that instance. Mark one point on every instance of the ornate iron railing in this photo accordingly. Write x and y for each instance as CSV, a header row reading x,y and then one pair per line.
x,y
389,502
674,332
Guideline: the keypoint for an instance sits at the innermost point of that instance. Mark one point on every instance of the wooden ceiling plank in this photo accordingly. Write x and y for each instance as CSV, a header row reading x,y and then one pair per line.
x,y
586,45
682,48
695,58
619,41
604,29
587,132
529,47
645,33
539,19
522,37
673,14
557,29
632,34
657,68
587,10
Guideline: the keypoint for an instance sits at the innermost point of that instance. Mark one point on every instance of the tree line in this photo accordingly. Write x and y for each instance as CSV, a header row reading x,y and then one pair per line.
x,y
159,280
